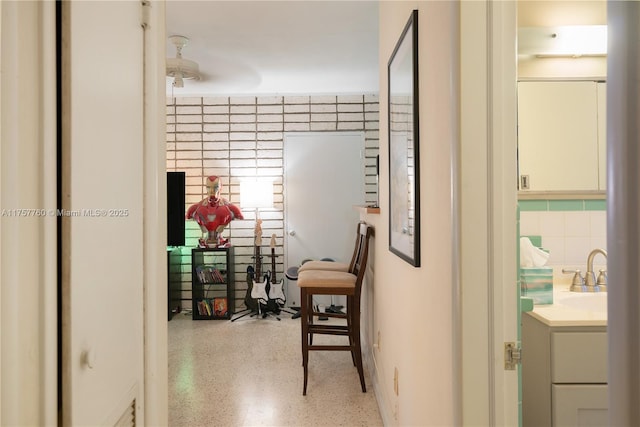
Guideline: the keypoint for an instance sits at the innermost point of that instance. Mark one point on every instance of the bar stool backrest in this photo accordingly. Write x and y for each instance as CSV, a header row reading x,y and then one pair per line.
x,y
361,251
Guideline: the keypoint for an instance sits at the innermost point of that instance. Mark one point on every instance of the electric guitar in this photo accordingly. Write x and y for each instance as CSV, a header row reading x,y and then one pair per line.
x,y
251,303
249,300
275,291
259,290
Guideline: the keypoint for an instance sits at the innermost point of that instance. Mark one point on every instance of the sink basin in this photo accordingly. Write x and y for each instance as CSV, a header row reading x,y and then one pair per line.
x,y
585,301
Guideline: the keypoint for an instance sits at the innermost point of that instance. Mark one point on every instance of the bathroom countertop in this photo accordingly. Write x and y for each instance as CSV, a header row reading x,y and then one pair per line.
x,y
557,314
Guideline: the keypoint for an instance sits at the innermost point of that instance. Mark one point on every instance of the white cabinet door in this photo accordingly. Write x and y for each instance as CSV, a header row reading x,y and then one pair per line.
x,y
578,357
558,135
580,405
102,176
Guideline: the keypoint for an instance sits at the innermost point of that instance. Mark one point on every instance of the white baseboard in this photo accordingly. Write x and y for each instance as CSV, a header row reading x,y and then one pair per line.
x,y
370,364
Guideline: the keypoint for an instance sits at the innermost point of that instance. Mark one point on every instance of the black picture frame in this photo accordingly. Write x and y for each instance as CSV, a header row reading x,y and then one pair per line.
x,y
404,138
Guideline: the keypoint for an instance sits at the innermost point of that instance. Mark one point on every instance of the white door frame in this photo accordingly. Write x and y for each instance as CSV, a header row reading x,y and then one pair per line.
x,y
28,344
488,202
156,371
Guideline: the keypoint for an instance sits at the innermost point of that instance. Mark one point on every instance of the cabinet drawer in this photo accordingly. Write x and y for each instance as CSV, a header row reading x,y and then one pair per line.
x,y
579,357
580,405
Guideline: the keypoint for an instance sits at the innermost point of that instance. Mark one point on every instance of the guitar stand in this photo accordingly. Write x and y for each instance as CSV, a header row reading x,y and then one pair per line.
x,y
252,313
267,313
244,312
249,312
282,308
294,313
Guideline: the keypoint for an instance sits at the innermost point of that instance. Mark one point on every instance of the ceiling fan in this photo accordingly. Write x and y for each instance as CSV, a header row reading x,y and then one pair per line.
x,y
179,68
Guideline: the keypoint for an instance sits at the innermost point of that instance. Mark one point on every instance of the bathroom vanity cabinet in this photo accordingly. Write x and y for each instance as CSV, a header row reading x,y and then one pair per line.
x,y
564,374
562,136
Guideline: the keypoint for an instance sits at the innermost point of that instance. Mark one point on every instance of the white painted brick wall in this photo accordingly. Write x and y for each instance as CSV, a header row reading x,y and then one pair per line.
x,y
237,137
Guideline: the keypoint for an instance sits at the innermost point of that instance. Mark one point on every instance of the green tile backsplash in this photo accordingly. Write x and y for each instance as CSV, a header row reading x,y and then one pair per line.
x,y
595,205
533,205
566,205
562,205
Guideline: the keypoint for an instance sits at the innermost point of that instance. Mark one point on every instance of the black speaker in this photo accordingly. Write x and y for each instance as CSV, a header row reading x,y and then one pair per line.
x,y
175,208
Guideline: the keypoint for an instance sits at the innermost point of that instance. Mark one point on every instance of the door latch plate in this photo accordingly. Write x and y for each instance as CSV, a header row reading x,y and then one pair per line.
x,y
512,356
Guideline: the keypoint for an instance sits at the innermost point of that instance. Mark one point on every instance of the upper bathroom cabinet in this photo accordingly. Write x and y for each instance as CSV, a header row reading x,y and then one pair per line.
x,y
561,139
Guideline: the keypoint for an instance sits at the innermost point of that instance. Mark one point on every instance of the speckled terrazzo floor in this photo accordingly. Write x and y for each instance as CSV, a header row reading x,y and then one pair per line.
x,y
249,373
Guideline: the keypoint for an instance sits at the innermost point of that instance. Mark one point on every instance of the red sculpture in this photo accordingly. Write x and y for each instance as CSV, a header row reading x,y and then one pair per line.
x,y
213,214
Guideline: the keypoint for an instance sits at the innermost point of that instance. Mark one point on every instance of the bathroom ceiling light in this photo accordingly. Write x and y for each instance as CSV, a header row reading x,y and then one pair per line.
x,y
565,41
179,68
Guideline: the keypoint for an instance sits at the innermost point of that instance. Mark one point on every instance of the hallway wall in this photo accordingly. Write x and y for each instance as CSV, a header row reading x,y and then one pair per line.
x,y
413,306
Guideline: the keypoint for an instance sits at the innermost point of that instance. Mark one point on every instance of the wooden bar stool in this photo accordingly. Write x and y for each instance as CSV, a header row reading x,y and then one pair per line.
x,y
335,282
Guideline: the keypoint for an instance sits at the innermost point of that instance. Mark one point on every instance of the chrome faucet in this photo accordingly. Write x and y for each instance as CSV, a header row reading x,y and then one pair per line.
x,y
577,284
590,282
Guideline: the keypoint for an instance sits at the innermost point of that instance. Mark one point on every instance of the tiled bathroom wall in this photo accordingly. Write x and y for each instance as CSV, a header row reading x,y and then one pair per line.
x,y
239,137
569,230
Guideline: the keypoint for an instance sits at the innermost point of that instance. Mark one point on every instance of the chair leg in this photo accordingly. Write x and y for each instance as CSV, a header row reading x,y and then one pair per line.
x,y
353,323
310,315
356,337
304,319
352,330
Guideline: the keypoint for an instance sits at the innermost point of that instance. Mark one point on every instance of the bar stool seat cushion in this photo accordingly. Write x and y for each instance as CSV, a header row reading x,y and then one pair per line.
x,y
324,265
326,279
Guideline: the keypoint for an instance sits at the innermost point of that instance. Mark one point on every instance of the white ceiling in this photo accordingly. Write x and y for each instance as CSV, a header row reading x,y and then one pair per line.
x,y
277,47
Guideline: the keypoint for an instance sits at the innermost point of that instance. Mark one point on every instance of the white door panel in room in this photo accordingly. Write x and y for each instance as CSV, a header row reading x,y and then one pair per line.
x,y
324,179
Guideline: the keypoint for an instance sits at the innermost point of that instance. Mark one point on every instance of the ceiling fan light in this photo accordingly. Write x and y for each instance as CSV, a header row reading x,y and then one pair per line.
x,y
188,69
179,68
178,81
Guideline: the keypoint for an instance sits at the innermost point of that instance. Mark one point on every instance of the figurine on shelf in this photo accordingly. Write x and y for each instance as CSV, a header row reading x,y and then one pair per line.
x,y
213,214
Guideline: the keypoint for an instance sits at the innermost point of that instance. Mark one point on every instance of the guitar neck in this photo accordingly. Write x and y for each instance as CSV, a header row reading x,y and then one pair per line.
x,y
273,265
258,258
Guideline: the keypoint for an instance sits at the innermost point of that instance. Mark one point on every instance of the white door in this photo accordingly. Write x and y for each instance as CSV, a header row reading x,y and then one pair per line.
x,y
324,179
102,238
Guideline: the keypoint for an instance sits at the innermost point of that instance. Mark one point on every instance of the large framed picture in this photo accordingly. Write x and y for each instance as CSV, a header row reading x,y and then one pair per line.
x,y
404,176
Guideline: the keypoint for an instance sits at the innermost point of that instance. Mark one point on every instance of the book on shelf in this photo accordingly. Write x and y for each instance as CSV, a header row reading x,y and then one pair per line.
x,y
207,304
220,307
204,308
209,275
200,307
